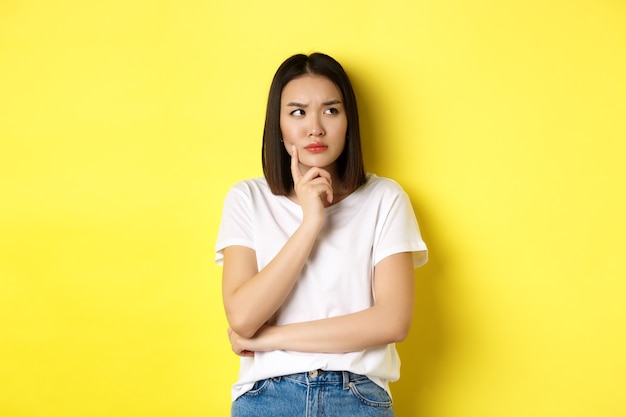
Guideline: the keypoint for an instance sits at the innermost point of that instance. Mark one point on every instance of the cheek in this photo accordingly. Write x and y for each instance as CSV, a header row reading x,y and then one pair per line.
x,y
290,135
287,145
342,147
284,129
340,126
286,137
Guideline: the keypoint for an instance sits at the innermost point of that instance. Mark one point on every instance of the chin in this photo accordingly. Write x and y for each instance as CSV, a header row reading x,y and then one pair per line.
x,y
317,163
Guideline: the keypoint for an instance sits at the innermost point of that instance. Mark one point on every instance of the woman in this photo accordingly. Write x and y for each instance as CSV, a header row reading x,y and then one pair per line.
x,y
318,258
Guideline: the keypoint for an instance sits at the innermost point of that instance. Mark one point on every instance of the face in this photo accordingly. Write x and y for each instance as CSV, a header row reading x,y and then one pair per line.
x,y
313,118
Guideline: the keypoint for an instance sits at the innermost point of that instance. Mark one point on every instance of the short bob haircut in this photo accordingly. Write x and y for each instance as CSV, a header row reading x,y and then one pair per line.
x,y
276,160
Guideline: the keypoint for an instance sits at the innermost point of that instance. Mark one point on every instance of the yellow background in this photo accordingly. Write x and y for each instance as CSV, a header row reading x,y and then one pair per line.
x,y
123,124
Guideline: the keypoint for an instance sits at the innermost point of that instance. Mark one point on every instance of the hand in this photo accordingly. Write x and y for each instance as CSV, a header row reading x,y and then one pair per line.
x,y
237,342
311,188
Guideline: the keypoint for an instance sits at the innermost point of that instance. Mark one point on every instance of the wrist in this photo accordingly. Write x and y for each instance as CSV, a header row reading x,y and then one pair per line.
x,y
311,225
269,339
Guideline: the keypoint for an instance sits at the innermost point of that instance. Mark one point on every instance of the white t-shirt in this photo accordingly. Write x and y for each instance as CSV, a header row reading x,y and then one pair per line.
x,y
373,222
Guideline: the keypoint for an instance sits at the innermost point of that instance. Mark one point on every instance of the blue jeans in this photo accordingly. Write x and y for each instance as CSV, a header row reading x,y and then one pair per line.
x,y
315,393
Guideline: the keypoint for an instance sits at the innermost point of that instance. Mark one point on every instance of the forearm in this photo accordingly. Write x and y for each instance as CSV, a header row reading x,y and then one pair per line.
x,y
376,326
250,303
386,322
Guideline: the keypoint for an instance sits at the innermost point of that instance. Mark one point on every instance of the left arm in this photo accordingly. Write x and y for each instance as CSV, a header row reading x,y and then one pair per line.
x,y
387,321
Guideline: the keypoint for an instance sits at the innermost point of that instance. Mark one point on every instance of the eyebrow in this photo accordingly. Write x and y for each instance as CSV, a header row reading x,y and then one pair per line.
x,y
326,103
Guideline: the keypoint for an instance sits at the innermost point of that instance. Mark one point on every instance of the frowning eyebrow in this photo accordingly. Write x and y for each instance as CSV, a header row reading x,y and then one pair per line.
x,y
326,103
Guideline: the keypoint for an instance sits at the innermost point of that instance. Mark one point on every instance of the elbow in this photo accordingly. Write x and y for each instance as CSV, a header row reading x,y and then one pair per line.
x,y
398,336
242,325
243,331
391,325
399,331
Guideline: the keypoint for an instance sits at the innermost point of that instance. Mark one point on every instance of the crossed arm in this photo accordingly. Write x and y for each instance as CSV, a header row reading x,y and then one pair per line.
x,y
387,321
251,296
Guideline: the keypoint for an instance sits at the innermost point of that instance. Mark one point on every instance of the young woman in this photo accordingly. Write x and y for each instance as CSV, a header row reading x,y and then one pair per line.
x,y
318,258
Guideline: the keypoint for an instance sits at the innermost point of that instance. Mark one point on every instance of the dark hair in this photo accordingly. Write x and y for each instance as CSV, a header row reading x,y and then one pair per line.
x,y
276,160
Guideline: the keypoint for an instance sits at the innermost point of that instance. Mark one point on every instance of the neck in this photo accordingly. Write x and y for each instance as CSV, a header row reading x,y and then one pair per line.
x,y
339,193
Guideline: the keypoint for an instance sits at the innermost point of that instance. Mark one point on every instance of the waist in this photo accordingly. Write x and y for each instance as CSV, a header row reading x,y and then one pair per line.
x,y
320,376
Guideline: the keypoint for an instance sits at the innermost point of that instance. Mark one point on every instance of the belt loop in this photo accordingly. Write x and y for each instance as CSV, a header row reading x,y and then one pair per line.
x,y
346,379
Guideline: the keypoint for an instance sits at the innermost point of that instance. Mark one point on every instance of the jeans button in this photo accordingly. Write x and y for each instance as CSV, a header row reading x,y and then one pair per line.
x,y
313,374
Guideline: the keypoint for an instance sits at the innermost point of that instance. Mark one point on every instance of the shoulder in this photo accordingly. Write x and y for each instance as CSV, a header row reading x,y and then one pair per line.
x,y
249,191
382,185
251,185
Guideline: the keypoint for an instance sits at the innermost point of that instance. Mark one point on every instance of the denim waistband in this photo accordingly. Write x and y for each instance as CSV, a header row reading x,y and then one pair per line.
x,y
320,376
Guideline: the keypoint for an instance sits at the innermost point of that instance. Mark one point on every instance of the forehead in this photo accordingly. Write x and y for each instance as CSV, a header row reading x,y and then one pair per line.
x,y
310,87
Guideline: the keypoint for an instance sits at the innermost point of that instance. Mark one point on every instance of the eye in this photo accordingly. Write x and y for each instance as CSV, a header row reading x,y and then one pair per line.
x,y
331,110
297,112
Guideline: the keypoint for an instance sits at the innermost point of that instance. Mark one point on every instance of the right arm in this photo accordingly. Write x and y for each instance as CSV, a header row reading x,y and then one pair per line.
x,y
251,296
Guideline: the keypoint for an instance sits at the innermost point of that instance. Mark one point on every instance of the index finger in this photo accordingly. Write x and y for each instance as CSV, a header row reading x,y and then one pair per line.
x,y
295,165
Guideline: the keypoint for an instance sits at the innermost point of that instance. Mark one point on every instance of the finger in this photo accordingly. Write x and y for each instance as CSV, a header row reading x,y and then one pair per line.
x,y
319,185
317,173
327,182
295,165
322,185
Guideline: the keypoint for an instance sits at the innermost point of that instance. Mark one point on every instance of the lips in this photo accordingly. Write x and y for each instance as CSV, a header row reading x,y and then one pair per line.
x,y
316,147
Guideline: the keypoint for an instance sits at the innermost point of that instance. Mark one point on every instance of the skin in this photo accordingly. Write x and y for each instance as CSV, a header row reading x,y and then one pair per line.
x,y
312,112
313,124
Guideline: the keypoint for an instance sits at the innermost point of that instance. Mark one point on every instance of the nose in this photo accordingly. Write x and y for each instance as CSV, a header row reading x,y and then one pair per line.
x,y
315,127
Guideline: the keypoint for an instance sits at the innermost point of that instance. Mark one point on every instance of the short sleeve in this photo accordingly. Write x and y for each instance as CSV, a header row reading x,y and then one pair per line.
x,y
236,226
398,231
